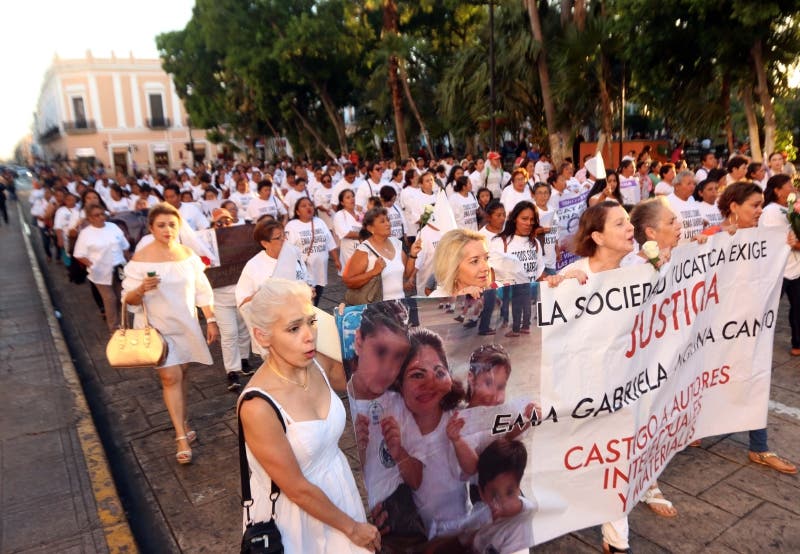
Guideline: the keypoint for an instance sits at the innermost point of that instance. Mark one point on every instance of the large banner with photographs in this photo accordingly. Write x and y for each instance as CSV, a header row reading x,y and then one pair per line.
x,y
496,444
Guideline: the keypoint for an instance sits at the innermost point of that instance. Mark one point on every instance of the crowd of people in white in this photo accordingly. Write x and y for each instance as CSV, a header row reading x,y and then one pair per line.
x,y
377,218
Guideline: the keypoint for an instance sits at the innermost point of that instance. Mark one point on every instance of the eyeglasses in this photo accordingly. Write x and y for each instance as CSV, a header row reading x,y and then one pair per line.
x,y
224,222
282,236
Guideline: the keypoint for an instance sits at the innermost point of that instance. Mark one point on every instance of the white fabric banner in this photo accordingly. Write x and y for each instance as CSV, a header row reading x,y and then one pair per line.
x,y
664,358
566,425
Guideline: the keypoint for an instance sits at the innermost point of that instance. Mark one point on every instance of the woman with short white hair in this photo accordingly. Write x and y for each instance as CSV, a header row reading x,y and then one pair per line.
x,y
319,508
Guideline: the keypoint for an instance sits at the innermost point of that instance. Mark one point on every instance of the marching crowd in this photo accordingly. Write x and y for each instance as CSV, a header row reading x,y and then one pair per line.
x,y
468,232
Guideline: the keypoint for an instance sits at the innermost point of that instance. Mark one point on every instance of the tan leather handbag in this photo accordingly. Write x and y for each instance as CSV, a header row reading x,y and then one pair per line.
x,y
136,347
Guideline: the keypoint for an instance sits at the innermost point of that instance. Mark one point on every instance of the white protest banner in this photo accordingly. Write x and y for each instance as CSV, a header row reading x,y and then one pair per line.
x,y
568,215
577,418
664,358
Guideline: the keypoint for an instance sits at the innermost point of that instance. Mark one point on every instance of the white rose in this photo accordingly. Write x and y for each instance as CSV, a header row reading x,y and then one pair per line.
x,y
650,249
791,198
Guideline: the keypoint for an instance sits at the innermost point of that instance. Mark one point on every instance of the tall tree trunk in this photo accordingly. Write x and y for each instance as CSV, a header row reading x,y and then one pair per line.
x,y
566,9
391,25
725,94
553,136
606,111
401,66
333,114
746,94
579,15
313,132
770,125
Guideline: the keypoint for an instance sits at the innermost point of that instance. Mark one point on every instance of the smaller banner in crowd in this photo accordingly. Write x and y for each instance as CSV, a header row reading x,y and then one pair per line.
x,y
570,208
231,248
494,444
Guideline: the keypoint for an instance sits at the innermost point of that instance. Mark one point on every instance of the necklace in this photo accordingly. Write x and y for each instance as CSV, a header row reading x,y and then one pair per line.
x,y
303,385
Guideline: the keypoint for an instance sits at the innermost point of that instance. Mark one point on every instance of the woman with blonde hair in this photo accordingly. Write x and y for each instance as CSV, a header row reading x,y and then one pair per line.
x,y
319,508
461,264
169,279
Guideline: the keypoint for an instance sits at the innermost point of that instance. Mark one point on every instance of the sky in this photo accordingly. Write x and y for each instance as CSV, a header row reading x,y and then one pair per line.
x,y
34,30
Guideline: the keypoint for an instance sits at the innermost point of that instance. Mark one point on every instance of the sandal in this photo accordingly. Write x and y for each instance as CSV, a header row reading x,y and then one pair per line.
x,y
183,457
655,500
512,334
611,549
772,460
191,434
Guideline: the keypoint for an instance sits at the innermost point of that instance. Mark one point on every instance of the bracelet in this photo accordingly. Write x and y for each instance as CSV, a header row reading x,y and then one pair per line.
x,y
412,257
211,320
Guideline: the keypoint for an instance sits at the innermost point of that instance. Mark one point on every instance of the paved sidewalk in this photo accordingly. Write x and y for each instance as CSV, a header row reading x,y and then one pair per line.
x,y
56,494
726,504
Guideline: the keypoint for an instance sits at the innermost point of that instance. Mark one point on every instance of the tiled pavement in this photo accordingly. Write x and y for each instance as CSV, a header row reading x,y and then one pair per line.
x,y
726,504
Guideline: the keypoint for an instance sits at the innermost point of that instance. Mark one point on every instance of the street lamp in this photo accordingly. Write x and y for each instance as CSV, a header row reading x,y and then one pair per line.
x,y
492,123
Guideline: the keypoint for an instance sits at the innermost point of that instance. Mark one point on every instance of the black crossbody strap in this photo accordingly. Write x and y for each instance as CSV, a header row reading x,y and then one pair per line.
x,y
244,467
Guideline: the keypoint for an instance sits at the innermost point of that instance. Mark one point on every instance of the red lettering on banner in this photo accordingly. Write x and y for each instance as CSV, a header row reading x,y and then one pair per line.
x,y
689,303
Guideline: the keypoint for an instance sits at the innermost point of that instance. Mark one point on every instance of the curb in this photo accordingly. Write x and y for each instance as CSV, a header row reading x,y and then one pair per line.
x,y
116,530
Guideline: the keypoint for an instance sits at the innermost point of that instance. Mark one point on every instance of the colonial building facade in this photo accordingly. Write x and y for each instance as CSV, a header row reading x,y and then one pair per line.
x,y
121,112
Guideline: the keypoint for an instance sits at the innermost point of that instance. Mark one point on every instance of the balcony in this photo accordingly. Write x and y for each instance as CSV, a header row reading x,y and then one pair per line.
x,y
49,135
159,122
80,127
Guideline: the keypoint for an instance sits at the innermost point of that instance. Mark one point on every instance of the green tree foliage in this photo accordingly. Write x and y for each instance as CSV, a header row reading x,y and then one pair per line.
x,y
419,69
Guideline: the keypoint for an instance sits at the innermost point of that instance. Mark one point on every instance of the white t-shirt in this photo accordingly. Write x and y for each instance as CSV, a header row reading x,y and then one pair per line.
x,y
465,209
508,534
774,215
711,213
313,249
511,197
381,474
66,218
242,200
688,214
117,206
630,190
527,252
339,187
104,247
429,239
344,223
494,180
368,189
397,221
549,218
541,171
415,203
291,198
258,208
192,215
664,189
261,267
555,198
442,494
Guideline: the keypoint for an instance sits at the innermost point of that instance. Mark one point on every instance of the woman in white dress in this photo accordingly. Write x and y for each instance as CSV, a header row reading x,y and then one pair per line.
x,y
319,508
314,241
346,225
380,254
170,279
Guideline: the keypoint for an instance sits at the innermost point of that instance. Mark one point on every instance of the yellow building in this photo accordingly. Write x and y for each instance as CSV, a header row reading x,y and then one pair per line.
x,y
121,112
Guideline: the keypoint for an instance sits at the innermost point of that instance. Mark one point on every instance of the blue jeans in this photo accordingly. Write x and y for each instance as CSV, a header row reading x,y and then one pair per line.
x,y
489,300
758,440
520,306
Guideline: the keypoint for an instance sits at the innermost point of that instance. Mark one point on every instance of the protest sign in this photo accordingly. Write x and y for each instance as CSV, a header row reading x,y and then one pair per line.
x,y
568,216
231,248
621,374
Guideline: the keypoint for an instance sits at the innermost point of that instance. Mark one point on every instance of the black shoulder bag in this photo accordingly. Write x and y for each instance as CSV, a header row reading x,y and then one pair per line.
x,y
262,537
